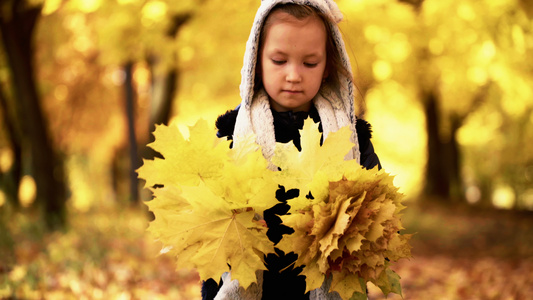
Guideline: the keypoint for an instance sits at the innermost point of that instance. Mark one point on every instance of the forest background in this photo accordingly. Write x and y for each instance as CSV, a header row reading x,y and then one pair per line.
x,y
447,88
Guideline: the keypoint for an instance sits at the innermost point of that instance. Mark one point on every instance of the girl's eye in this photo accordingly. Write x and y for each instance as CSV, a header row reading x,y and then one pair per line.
x,y
278,62
310,65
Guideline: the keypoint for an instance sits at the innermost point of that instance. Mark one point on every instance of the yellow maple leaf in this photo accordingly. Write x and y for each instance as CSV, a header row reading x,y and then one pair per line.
x,y
312,168
246,181
389,282
346,284
206,213
210,235
185,160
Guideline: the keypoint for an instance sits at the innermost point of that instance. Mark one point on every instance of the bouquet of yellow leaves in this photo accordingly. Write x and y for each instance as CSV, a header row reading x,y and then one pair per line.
x,y
209,211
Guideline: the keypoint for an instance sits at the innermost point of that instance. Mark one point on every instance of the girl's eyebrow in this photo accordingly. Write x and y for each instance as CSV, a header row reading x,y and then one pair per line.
x,y
310,55
313,55
277,51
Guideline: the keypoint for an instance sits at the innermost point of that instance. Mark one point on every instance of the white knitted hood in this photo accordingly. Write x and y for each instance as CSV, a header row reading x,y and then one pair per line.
x,y
336,108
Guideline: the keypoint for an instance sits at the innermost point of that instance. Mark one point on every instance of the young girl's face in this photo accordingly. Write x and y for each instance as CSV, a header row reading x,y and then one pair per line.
x,y
293,61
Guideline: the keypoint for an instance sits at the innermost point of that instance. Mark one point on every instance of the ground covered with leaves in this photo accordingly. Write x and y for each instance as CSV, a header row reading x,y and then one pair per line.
x,y
466,253
458,253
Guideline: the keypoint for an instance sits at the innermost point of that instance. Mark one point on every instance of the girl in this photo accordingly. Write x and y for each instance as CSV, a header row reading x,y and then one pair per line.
x,y
295,67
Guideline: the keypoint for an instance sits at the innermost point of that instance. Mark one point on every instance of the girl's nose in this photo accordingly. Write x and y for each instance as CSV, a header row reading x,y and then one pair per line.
x,y
293,74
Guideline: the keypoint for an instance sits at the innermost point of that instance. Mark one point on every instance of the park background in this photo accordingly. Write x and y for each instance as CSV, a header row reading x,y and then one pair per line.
x,y
447,88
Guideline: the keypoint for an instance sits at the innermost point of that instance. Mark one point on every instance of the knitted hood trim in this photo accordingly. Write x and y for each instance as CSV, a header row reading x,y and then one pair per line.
x,y
336,108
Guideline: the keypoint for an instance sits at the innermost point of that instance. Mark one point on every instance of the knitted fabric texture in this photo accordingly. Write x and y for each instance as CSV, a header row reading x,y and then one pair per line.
x,y
231,290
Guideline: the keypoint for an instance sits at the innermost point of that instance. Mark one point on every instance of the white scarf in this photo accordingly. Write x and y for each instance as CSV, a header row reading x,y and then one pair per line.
x,y
259,120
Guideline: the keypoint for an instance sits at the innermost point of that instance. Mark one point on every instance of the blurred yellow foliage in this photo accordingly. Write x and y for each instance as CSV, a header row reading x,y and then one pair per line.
x,y
2,198
87,6
50,6
153,11
27,191
6,159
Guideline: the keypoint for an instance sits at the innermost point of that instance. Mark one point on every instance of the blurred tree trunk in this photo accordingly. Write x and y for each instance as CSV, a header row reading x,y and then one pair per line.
x,y
10,180
443,168
486,186
7,245
527,5
442,176
132,139
165,89
442,156
443,180
454,158
437,181
161,111
17,24
417,4
162,106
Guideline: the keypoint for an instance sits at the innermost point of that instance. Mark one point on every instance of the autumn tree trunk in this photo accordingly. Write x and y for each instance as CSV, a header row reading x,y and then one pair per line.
x,y
10,180
160,114
132,139
167,87
17,24
162,108
454,157
437,182
442,174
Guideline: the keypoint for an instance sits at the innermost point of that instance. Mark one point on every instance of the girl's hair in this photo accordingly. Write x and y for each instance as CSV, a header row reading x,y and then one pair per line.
x,y
334,64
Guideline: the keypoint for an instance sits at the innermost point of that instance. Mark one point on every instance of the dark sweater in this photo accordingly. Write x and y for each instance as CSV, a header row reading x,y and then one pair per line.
x,y
287,124
282,280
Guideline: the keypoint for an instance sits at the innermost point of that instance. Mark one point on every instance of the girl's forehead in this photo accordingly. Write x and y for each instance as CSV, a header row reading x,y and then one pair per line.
x,y
293,38
278,16
312,23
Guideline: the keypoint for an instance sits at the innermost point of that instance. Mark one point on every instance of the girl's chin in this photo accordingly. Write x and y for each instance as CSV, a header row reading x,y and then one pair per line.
x,y
283,107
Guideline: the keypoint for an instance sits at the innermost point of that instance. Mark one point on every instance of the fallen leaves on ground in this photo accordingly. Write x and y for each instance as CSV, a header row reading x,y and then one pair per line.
x,y
104,255
108,254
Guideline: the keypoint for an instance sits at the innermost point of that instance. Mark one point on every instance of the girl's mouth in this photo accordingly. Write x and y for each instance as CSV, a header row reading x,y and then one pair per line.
x,y
292,91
